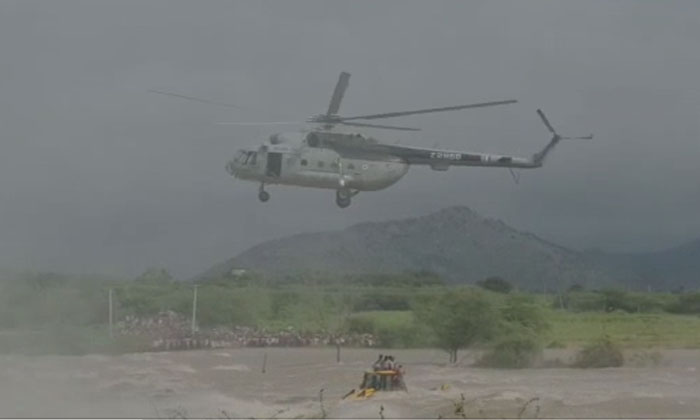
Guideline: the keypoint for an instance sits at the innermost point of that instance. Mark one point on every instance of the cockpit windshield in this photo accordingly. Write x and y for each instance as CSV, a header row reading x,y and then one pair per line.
x,y
246,157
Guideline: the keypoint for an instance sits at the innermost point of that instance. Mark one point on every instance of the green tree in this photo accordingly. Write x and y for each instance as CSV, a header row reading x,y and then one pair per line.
x,y
522,313
459,319
496,284
519,343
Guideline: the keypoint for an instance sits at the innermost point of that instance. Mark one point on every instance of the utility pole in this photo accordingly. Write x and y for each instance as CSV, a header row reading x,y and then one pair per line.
x,y
194,310
111,314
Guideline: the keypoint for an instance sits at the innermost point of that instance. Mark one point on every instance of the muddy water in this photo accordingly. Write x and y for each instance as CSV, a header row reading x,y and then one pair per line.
x,y
230,383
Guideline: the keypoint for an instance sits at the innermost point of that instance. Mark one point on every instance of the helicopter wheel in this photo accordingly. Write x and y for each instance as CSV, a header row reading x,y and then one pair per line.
x,y
343,198
263,196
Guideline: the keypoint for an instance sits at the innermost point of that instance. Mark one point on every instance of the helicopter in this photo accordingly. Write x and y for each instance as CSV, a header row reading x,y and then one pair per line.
x,y
350,163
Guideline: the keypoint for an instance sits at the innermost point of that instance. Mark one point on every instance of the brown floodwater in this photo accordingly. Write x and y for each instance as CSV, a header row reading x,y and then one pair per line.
x,y
230,383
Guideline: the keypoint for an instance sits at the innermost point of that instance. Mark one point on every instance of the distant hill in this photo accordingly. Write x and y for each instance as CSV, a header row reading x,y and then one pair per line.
x,y
463,247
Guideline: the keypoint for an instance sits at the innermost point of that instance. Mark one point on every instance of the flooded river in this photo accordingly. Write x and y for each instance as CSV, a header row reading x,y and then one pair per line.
x,y
229,383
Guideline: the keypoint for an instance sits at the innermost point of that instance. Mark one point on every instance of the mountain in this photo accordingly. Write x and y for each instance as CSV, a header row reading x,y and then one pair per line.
x,y
464,247
672,269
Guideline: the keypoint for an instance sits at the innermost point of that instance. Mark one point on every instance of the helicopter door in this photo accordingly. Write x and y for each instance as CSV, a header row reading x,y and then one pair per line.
x,y
274,164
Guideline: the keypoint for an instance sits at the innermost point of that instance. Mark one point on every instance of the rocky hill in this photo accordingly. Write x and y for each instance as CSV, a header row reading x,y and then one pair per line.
x,y
456,243
464,247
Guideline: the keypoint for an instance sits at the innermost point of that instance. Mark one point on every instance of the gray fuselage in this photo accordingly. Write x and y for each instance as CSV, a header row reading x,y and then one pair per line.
x,y
287,159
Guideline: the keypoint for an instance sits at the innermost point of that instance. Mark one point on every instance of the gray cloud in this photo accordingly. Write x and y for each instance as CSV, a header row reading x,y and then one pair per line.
x,y
96,174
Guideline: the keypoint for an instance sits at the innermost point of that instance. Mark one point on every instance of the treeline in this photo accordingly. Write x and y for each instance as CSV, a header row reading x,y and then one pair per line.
x,y
34,299
46,299
611,300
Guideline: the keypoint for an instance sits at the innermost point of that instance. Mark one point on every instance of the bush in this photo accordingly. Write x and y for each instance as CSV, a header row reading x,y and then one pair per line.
x,y
582,301
612,300
688,303
403,336
495,284
556,344
514,352
374,301
600,354
361,325
521,313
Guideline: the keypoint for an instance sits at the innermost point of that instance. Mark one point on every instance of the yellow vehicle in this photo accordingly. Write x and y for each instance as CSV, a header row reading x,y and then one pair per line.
x,y
379,380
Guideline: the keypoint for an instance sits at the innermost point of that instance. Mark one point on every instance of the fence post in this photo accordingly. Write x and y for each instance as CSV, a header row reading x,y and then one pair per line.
x,y
194,310
111,315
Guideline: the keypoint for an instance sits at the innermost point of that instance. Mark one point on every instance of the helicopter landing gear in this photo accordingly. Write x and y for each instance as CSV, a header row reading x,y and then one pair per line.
x,y
262,194
343,197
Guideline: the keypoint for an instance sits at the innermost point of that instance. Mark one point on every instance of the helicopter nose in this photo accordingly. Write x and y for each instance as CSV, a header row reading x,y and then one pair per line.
x,y
231,168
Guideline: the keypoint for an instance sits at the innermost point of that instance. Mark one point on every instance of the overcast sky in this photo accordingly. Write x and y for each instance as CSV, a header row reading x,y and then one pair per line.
x,y
99,175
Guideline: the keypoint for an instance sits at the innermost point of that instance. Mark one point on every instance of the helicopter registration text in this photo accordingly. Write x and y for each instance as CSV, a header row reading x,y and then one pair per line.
x,y
442,155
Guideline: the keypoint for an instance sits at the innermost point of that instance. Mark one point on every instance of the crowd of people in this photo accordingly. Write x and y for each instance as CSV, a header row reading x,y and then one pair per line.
x,y
169,330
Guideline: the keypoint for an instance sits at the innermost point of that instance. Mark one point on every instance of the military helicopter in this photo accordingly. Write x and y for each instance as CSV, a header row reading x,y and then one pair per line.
x,y
351,162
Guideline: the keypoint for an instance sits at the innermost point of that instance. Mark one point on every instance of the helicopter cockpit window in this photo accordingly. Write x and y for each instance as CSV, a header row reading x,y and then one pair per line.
x,y
246,157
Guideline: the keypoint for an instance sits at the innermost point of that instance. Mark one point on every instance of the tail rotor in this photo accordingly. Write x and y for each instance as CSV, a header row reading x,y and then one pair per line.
x,y
556,135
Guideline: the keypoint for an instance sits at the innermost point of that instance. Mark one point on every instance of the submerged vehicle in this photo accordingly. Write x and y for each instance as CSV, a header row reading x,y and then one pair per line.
x,y
378,381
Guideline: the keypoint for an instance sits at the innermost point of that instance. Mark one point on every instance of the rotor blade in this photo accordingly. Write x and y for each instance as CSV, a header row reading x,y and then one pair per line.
x,y
546,122
386,127
190,98
426,111
338,93
588,137
262,123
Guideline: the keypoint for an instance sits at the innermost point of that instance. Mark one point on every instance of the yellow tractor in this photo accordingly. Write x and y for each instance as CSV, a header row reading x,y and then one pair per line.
x,y
378,381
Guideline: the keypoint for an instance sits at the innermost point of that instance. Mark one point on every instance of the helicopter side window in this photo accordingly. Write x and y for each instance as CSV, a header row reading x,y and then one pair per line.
x,y
320,164
304,162
351,166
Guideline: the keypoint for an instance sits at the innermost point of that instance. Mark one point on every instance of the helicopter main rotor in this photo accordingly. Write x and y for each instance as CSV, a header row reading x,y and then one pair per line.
x,y
331,118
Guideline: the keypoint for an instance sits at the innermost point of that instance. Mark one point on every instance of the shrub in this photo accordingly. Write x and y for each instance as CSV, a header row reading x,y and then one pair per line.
x,y
403,336
513,352
600,354
582,301
382,302
556,344
495,284
521,313
688,303
361,325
